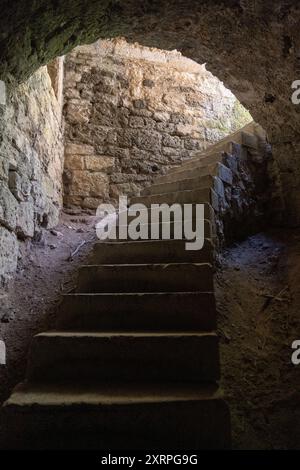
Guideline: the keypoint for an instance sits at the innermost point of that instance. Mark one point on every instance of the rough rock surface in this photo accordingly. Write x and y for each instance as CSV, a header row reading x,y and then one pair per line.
x,y
31,165
131,112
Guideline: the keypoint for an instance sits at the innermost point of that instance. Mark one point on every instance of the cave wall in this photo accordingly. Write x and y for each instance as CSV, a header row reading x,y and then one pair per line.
x,y
31,165
131,112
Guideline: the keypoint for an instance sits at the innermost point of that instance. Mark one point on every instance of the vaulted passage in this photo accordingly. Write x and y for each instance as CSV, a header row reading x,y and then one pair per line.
x,y
142,341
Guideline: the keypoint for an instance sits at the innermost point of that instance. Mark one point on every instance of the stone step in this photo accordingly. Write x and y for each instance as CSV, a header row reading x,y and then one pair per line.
x,y
197,196
183,174
125,217
216,155
158,231
123,416
173,277
94,357
189,311
151,251
209,158
188,179
205,181
228,146
199,162
249,136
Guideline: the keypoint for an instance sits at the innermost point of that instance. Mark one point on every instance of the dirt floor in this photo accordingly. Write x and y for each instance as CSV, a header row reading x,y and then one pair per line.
x,y
258,297
45,271
259,317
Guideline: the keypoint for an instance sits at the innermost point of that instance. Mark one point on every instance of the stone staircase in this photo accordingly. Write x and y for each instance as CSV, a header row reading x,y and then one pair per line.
x,y
134,360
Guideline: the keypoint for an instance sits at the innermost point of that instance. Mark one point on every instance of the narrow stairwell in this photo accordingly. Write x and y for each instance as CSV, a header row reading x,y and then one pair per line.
x,y
134,360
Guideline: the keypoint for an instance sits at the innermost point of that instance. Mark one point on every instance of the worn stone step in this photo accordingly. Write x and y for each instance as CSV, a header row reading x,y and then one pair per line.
x,y
209,159
172,277
202,161
123,416
151,251
189,178
182,174
165,215
228,147
196,196
205,181
164,231
240,137
199,162
249,136
100,357
189,311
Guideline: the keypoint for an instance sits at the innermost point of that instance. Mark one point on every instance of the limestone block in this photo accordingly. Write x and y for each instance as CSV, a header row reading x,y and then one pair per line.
x,y
184,130
129,189
136,122
148,141
111,137
79,149
125,138
99,162
74,162
117,152
91,202
167,127
89,184
171,141
73,200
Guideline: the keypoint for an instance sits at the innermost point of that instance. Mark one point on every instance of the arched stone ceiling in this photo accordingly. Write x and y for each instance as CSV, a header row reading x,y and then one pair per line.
x,y
251,45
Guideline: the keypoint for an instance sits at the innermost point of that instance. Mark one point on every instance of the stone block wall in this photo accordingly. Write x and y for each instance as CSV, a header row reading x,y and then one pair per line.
x,y
132,112
31,166
248,187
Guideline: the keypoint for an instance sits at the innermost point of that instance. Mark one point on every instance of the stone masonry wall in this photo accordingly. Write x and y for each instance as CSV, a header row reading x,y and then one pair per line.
x,y
31,165
132,112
